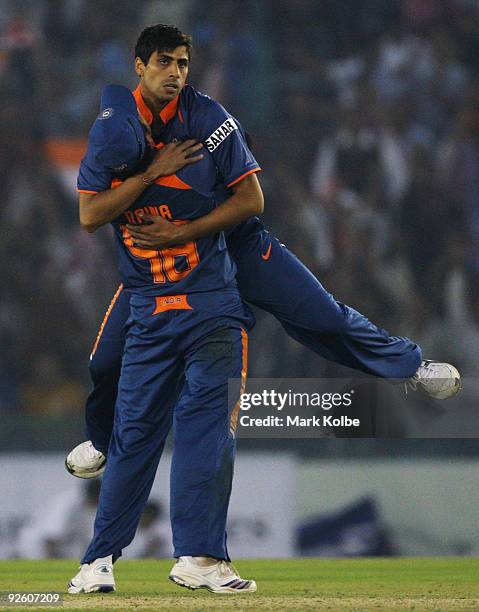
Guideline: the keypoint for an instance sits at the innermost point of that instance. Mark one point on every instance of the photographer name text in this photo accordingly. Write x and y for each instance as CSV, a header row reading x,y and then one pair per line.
x,y
296,421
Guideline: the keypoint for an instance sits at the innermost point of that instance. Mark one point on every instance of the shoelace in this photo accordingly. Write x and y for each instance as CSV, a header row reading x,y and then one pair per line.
x,y
426,372
415,381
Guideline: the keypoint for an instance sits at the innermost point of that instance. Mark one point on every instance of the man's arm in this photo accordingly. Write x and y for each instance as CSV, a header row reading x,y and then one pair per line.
x,y
247,200
96,209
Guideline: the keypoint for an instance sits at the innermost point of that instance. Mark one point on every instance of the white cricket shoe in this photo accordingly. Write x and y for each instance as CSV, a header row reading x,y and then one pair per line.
x,y
84,461
204,573
94,577
439,380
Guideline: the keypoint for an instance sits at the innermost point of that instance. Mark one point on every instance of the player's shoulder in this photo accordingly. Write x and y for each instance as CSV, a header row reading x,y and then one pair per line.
x,y
92,176
200,104
196,98
90,163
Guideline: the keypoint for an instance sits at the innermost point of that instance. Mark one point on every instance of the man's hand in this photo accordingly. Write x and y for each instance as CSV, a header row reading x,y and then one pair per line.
x,y
171,158
96,209
157,233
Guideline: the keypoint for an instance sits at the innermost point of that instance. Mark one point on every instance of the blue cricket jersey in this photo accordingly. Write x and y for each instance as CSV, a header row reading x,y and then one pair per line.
x,y
203,265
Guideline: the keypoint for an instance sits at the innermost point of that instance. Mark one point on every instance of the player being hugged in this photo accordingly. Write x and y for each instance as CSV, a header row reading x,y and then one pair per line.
x,y
177,275
187,332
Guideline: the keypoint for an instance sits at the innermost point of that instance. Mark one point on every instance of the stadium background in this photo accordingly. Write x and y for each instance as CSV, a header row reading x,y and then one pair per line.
x,y
365,119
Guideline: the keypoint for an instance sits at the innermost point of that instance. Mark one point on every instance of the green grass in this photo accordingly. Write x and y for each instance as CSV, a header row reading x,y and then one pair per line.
x,y
417,584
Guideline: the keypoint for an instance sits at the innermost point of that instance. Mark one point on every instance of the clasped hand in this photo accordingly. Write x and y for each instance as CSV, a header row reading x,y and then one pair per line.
x,y
155,232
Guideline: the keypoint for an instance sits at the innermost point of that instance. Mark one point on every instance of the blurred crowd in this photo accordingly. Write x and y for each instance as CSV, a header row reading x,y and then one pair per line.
x,y
63,528
364,116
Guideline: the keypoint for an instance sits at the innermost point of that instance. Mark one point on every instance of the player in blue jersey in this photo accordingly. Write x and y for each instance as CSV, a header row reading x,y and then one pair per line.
x,y
187,321
268,276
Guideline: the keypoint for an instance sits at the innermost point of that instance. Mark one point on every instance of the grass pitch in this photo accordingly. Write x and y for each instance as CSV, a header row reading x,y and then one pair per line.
x,y
361,585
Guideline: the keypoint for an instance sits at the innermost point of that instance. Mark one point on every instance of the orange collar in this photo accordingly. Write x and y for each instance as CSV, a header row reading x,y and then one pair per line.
x,y
166,114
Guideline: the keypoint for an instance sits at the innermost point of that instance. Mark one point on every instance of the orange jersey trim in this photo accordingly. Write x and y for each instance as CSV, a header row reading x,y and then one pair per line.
x,y
171,302
145,112
105,319
167,181
166,114
169,111
244,372
86,191
240,178
172,181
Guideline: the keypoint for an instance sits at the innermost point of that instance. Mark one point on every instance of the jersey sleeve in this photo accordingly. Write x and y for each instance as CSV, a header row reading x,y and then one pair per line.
x,y
91,179
224,138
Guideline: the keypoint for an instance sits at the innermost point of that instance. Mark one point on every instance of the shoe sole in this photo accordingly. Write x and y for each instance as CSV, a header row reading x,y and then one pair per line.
x,y
97,588
86,475
457,381
226,591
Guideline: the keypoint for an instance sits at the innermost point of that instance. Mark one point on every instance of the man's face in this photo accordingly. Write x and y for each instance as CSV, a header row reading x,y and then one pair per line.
x,y
165,74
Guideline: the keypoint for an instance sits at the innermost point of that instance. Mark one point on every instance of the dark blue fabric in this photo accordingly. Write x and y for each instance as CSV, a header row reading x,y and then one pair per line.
x,y
283,286
159,348
116,142
183,197
105,366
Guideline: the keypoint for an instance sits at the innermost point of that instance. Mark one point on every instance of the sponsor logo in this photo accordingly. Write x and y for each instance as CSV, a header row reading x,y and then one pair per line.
x,y
220,134
106,114
265,256
171,302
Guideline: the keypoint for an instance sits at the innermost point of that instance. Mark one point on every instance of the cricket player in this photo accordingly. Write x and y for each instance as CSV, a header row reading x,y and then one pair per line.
x,y
268,275
187,320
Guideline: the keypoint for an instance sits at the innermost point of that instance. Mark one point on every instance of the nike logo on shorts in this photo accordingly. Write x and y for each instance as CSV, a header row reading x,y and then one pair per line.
x,y
266,255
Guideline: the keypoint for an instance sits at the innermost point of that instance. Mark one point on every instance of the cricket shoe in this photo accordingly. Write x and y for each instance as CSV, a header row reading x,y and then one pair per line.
x,y
205,573
84,461
94,577
439,380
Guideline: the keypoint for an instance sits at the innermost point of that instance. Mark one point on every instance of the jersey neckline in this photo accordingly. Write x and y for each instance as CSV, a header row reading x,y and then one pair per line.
x,y
166,114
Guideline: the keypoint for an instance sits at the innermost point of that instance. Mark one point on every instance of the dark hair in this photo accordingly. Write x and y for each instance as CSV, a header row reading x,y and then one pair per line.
x,y
161,38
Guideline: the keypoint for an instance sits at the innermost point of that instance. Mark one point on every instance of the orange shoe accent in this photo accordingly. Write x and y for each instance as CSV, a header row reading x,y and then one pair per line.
x,y
105,319
265,256
171,302
244,371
